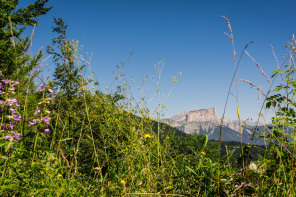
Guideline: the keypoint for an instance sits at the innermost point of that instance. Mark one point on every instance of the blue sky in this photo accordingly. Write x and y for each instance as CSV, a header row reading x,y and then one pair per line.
x,y
188,36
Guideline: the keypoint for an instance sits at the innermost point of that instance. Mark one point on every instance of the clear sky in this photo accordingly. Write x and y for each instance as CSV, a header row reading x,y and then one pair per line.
x,y
188,36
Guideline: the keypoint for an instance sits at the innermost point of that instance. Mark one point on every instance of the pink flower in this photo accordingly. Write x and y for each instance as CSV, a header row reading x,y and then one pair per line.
x,y
12,110
17,118
45,120
6,80
46,131
13,101
10,125
51,90
14,135
33,123
42,88
37,111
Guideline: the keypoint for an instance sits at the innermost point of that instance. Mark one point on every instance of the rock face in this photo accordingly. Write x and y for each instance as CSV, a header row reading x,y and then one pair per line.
x,y
206,121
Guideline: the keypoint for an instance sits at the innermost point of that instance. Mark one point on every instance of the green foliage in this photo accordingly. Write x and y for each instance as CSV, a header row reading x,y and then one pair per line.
x,y
81,142
15,61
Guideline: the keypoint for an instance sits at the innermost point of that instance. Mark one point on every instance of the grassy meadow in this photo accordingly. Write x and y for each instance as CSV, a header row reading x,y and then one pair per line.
x,y
63,136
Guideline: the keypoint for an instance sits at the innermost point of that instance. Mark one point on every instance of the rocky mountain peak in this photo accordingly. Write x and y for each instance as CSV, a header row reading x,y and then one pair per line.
x,y
195,115
206,121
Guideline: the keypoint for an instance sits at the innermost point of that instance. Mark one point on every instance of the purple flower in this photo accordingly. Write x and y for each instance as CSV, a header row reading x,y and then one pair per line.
x,y
50,99
45,120
17,118
10,125
3,126
16,82
8,137
46,131
1,102
37,111
6,80
14,135
243,169
42,88
2,89
13,101
33,123
12,110
51,90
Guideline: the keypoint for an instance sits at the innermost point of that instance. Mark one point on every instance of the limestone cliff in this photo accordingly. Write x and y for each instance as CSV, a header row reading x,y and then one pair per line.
x,y
206,121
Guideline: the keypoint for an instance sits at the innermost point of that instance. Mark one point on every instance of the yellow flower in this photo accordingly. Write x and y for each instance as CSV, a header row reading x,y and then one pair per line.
x,y
175,79
168,187
202,153
123,182
148,136
167,137
59,175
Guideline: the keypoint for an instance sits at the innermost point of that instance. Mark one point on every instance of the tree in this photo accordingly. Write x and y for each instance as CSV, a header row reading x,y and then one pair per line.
x,y
68,76
15,62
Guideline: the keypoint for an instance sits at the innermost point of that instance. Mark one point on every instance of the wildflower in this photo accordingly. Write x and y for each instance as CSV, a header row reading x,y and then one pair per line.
x,y
123,182
167,137
1,102
17,118
37,111
203,153
10,125
12,87
42,88
33,123
6,80
59,175
243,169
16,82
148,136
11,102
3,126
14,135
45,120
12,110
51,90
46,131
1,90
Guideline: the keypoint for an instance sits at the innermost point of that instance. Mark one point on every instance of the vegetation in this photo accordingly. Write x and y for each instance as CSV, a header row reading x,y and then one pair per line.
x,y
66,138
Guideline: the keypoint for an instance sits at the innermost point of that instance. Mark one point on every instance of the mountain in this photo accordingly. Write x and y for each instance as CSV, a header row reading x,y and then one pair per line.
x,y
207,121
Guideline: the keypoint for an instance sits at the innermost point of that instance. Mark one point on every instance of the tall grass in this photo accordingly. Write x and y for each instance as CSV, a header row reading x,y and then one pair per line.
x,y
107,144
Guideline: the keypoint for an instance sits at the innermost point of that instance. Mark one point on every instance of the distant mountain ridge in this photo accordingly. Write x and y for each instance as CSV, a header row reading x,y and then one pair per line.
x,y
207,121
